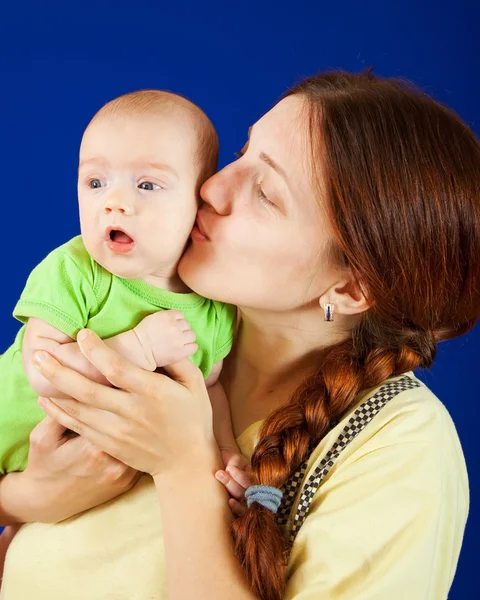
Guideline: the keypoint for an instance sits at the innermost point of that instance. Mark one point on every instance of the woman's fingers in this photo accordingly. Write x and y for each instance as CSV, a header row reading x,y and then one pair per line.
x,y
76,385
119,371
186,373
105,442
48,433
93,417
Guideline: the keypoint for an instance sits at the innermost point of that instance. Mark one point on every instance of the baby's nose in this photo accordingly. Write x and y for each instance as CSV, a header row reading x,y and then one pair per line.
x,y
121,203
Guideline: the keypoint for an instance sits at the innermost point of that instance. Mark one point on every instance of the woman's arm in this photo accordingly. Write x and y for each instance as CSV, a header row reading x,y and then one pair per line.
x,y
5,539
65,476
199,551
126,422
13,495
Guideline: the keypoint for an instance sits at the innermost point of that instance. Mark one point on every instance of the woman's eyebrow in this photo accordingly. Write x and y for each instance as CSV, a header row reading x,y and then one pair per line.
x,y
269,160
275,166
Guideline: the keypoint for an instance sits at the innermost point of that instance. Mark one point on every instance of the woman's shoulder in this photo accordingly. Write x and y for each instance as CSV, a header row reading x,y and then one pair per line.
x,y
387,486
411,408
401,411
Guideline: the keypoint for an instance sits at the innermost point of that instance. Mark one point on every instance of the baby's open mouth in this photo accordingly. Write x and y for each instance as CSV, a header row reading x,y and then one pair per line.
x,y
120,236
118,240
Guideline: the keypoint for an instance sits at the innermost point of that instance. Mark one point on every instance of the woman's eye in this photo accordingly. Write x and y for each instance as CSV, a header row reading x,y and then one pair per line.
x,y
96,184
263,197
148,185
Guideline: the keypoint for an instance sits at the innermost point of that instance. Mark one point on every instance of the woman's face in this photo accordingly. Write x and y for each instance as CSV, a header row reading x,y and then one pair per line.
x,y
261,238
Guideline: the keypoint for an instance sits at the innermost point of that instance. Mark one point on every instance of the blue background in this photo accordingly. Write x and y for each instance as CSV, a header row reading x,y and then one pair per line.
x,y
59,62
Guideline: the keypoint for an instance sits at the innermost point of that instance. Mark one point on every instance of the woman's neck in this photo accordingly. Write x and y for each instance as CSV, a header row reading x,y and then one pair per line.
x,y
273,354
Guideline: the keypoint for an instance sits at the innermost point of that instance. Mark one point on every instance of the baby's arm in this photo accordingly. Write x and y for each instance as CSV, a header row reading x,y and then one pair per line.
x,y
236,477
157,340
42,336
222,420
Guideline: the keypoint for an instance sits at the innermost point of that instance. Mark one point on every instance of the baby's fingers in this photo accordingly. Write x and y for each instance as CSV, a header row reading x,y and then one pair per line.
x,y
235,459
237,508
240,476
234,489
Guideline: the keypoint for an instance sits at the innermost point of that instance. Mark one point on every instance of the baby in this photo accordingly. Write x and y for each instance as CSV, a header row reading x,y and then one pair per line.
x,y
143,158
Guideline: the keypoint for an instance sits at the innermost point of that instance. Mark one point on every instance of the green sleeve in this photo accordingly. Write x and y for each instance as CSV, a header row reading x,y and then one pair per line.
x,y
225,330
61,289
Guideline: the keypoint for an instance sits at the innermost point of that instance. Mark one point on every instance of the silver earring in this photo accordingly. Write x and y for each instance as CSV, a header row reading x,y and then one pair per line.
x,y
329,308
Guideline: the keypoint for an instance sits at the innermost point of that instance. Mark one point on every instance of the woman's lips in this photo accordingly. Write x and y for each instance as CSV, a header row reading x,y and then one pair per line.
x,y
198,232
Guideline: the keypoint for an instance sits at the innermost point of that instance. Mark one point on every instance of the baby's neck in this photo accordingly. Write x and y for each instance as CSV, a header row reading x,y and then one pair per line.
x,y
171,283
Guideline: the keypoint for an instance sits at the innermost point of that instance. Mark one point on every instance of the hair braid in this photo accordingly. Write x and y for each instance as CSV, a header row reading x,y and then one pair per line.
x,y
291,432
398,175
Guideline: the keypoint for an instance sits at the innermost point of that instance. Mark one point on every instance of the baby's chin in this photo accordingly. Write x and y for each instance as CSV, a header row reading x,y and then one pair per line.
x,y
123,272
121,265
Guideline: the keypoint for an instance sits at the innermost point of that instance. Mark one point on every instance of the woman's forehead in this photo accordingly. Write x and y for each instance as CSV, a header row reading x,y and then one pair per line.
x,y
283,134
285,118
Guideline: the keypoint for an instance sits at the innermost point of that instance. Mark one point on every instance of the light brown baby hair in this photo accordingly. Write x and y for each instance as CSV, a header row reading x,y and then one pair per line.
x,y
151,102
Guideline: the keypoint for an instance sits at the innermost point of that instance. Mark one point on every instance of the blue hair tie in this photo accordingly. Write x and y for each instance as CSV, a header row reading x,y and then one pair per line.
x,y
266,495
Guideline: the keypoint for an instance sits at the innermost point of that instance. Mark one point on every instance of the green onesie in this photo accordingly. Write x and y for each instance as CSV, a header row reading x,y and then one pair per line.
x,y
70,291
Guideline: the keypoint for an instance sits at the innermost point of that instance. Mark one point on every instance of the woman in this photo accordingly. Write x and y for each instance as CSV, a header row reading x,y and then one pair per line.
x,y
348,233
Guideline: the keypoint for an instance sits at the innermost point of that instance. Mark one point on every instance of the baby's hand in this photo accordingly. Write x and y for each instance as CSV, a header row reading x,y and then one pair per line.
x,y
166,337
236,478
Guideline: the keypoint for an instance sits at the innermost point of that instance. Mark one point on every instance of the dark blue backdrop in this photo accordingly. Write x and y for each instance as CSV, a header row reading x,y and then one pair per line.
x,y
59,62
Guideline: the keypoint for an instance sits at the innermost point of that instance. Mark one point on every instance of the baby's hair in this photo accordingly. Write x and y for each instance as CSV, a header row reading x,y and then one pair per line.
x,y
151,102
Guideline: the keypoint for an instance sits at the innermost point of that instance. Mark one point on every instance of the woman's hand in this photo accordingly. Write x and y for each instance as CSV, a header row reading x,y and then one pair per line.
x,y
149,421
65,476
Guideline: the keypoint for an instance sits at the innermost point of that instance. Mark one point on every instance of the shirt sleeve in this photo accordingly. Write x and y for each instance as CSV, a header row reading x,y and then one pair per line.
x,y
387,524
225,330
60,291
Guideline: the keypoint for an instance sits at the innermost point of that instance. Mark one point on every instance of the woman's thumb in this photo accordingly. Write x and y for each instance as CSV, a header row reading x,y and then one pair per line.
x,y
184,371
47,433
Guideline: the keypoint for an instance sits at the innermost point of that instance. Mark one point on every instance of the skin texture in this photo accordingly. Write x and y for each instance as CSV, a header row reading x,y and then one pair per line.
x,y
282,325
266,241
139,173
281,329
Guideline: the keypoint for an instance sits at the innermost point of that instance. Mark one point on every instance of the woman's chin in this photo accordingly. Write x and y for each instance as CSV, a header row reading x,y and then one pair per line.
x,y
191,269
199,273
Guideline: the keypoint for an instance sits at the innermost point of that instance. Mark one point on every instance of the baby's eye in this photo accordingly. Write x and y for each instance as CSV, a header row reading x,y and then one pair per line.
x,y
148,185
95,184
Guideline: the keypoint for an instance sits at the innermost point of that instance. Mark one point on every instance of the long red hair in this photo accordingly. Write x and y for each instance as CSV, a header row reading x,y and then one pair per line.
x,y
400,180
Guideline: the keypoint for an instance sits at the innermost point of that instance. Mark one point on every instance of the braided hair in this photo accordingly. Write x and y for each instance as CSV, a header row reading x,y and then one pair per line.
x,y
400,180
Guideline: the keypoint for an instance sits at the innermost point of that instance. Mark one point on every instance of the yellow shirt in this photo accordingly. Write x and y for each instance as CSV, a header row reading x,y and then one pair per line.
x,y
386,523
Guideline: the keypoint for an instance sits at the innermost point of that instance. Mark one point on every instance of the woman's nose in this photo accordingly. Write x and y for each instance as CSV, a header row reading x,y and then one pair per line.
x,y
120,202
218,191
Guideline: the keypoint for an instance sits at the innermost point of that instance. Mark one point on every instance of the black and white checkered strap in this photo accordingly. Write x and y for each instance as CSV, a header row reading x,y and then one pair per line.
x,y
356,423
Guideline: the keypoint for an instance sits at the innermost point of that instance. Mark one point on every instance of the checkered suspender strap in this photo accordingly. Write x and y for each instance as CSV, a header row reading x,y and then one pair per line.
x,y
356,423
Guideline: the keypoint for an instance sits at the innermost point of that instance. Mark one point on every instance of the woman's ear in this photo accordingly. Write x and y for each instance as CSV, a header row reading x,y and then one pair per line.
x,y
348,297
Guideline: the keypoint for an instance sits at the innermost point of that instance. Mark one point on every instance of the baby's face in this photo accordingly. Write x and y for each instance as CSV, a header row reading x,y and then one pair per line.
x,y
137,194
